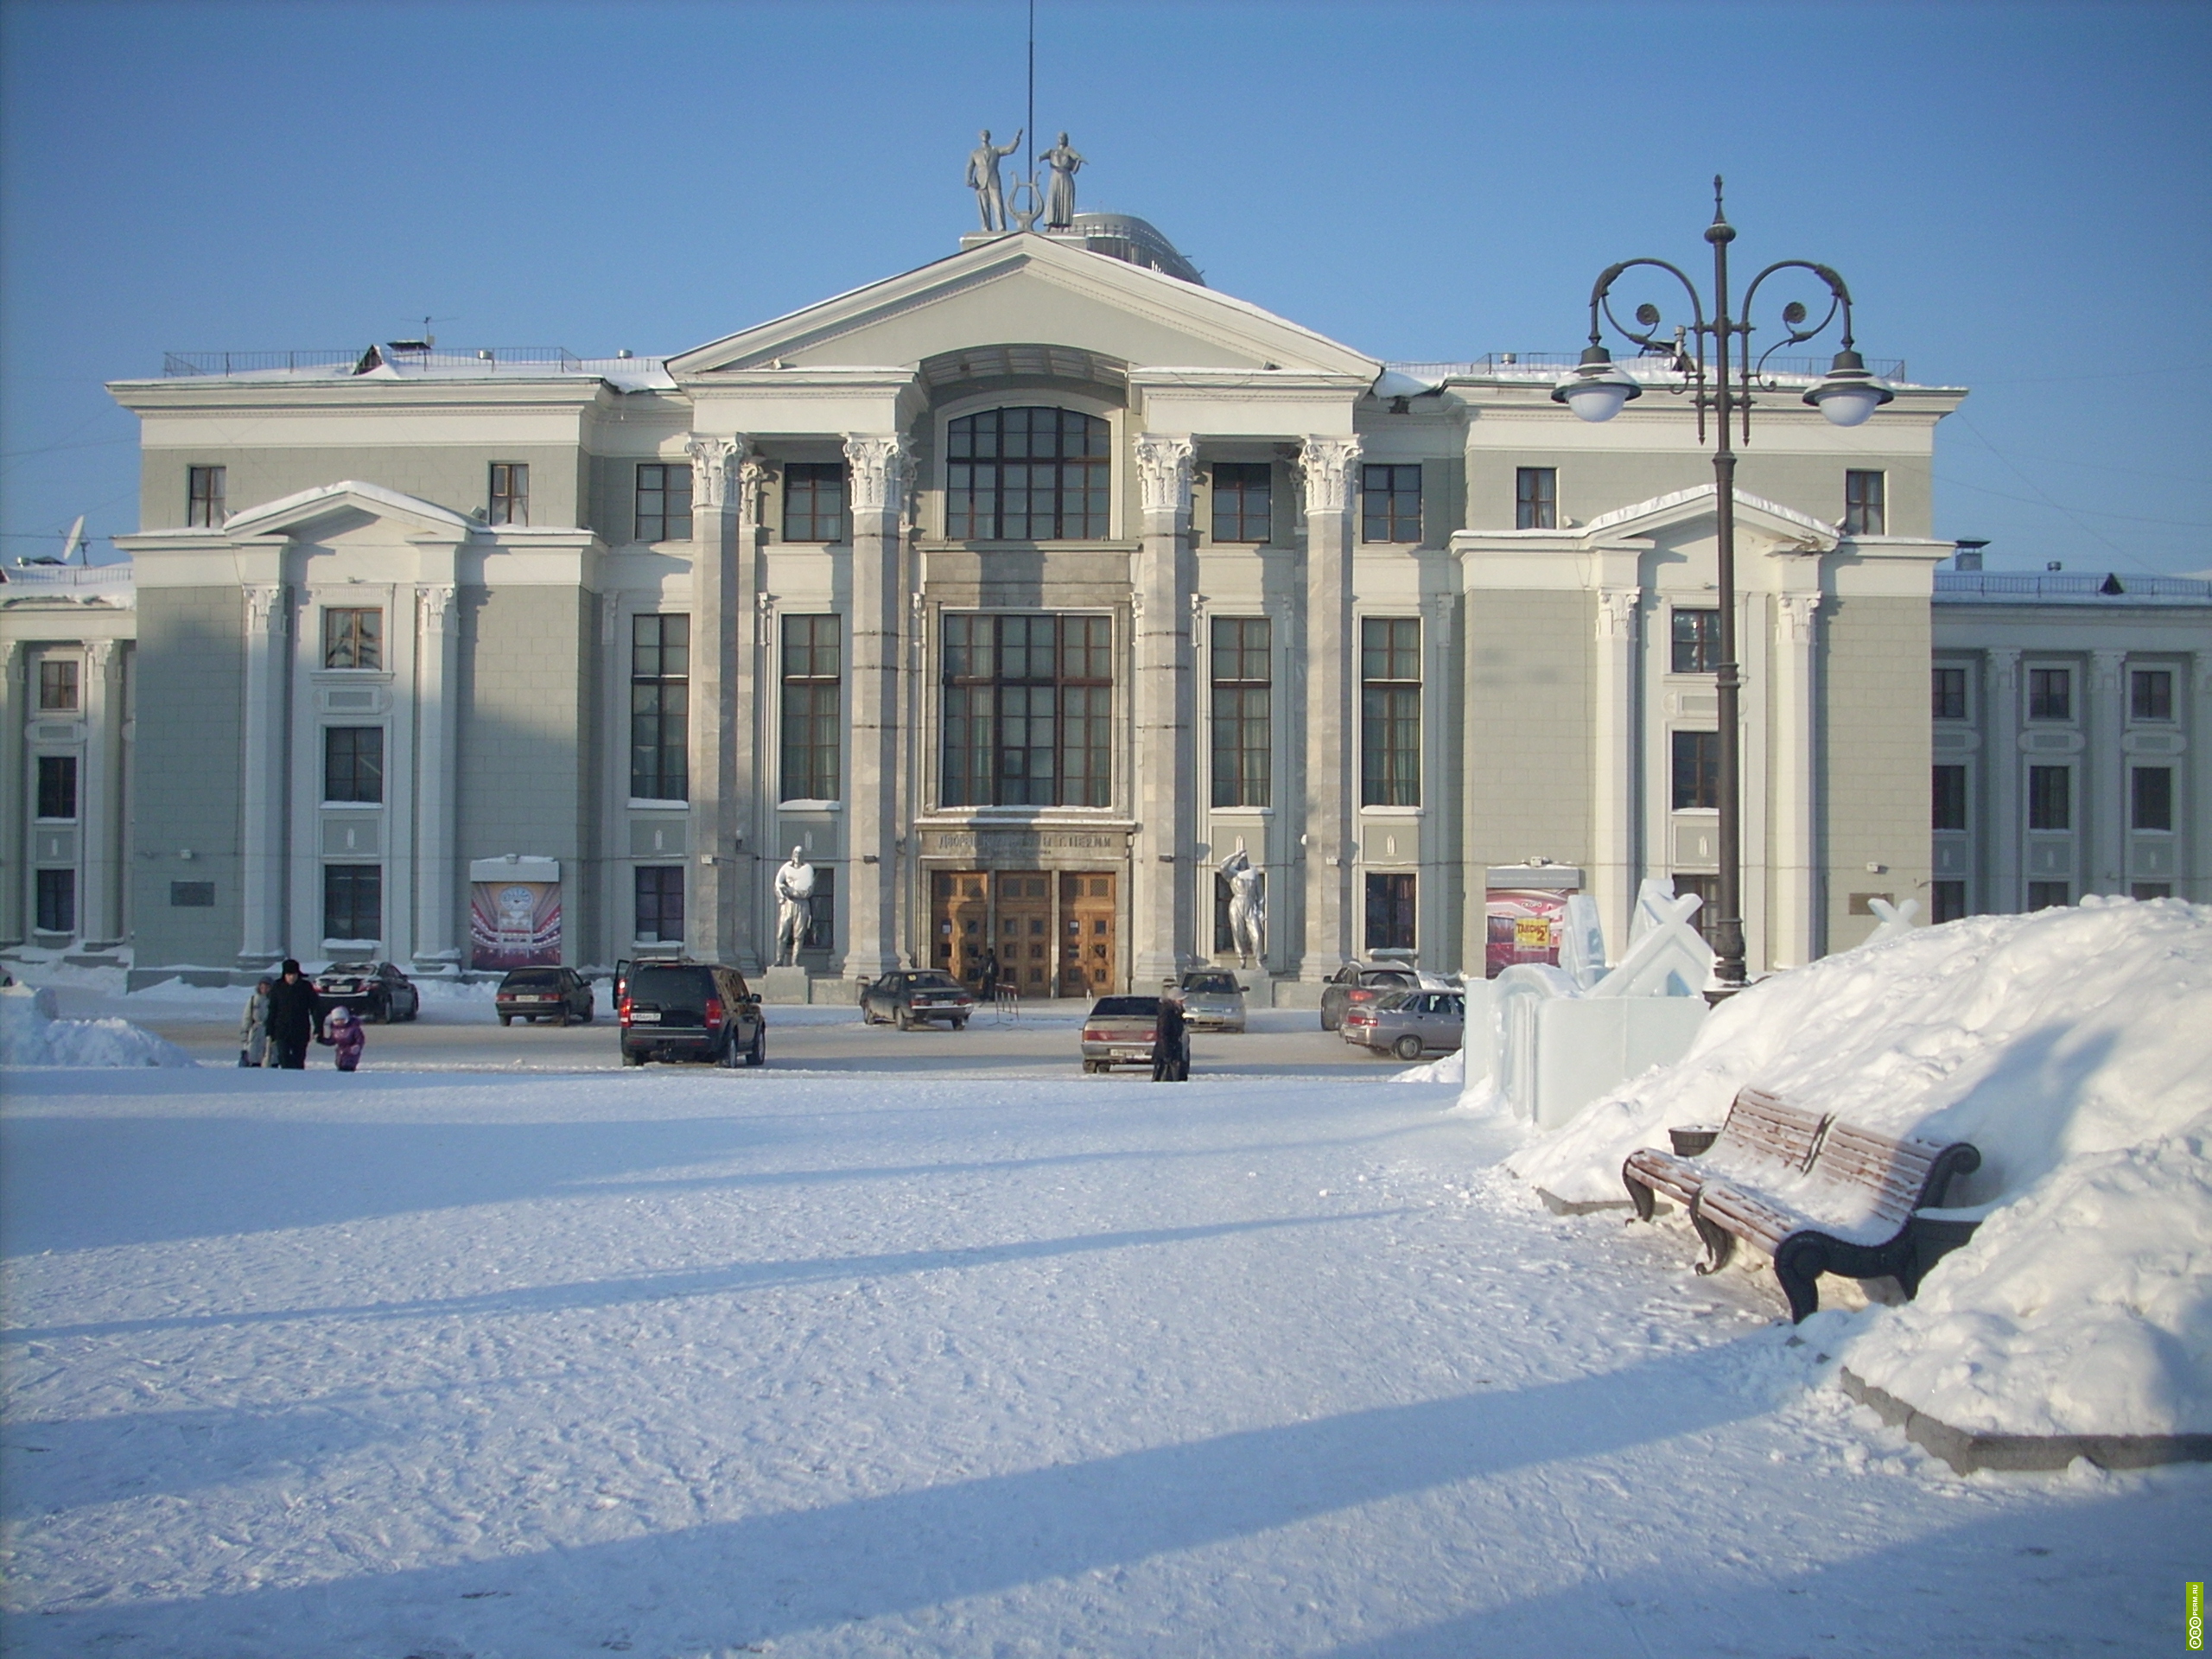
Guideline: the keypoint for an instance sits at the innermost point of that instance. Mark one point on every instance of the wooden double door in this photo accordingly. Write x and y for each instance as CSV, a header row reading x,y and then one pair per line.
x,y
1055,932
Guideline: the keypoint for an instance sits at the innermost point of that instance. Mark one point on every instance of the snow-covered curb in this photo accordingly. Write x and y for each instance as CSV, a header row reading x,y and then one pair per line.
x,y
32,1034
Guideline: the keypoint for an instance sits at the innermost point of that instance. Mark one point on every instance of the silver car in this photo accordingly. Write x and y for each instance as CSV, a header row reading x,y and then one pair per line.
x,y
1212,1000
1409,1023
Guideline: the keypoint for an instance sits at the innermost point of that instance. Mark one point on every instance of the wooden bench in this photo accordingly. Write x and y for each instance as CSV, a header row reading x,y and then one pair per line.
x,y
1815,1193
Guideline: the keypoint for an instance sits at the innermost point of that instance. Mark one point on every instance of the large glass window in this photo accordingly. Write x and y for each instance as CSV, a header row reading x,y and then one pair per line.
x,y
1027,475
664,501
204,491
811,666
1950,798
1535,498
1697,642
1390,914
660,893
2051,798
1697,770
352,901
1243,696
57,683
352,763
814,501
510,493
1946,900
1243,501
57,785
57,901
660,708
2150,693
353,638
1389,504
1390,711
2152,791
1865,511
2050,693
1948,693
1028,710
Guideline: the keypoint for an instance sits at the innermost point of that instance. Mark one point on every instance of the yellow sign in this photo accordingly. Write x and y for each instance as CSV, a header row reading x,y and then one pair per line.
x,y
1532,932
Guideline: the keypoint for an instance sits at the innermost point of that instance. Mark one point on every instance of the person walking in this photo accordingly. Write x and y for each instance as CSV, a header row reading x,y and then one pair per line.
x,y
294,1015
991,985
347,1035
1170,1047
253,1029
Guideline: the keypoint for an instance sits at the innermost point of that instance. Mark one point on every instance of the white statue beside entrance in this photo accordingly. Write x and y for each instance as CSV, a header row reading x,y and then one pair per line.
x,y
1248,907
794,907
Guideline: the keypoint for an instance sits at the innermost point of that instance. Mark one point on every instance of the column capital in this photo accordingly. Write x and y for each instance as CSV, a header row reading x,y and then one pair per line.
x,y
1799,613
434,607
1617,609
264,608
714,459
99,655
2105,664
1327,464
882,466
1164,473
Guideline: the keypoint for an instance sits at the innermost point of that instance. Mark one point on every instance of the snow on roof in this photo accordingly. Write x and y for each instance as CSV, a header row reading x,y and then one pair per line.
x,y
409,360
2040,587
410,506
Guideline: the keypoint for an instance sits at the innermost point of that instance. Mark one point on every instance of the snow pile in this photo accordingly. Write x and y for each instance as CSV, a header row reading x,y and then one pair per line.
x,y
31,1035
1450,1068
2073,1048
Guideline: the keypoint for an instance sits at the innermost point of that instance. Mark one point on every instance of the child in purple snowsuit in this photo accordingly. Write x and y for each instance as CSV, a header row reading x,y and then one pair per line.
x,y
345,1033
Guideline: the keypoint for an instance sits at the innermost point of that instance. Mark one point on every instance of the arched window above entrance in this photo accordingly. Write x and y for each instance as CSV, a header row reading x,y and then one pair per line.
x,y
1027,475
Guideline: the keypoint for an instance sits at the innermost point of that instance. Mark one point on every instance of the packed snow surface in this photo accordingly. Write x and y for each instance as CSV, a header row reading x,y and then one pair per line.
x,y
681,1363
33,1034
2073,1047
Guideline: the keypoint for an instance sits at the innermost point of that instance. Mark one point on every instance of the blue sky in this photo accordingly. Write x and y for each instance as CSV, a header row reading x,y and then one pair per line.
x,y
2019,196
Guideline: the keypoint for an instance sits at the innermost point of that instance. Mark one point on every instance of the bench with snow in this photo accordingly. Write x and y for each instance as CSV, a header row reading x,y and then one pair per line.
x,y
1815,1193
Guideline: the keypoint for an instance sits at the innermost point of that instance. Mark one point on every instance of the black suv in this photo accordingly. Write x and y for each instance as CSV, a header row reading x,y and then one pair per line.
x,y
533,993
689,1011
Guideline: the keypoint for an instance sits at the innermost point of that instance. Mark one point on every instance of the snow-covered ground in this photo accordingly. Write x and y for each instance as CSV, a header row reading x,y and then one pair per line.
x,y
681,1364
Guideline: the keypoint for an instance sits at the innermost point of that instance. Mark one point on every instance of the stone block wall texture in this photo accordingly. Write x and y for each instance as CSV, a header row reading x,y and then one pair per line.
x,y
1529,715
1872,666
1591,485
458,476
191,714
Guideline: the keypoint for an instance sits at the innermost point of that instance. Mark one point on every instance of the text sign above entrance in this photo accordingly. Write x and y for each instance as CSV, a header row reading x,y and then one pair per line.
x,y
1021,846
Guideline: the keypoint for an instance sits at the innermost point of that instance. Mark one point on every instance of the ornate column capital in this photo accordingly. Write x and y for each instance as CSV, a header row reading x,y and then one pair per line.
x,y
1164,473
434,607
1798,614
1617,609
2004,663
1327,464
264,609
99,655
2105,664
713,460
881,466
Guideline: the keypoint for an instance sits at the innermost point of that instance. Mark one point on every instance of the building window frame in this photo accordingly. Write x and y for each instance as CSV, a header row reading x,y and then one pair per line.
x,y
507,494
2050,799
1535,498
1389,502
1695,771
657,899
352,766
1389,710
1241,662
205,490
58,797
1948,797
60,685
2050,895
2151,798
1043,679
661,505
822,913
1946,901
2151,695
1866,503
1067,491
1391,921
55,901
2050,693
1243,502
660,705
1949,692
1694,632
810,755
815,500
352,893
353,638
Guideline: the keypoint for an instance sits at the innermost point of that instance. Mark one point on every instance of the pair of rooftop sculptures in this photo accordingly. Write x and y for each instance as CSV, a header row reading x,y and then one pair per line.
x,y
1057,209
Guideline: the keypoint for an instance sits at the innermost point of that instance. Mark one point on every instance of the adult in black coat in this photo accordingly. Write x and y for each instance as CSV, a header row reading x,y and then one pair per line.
x,y
294,1015
1171,1048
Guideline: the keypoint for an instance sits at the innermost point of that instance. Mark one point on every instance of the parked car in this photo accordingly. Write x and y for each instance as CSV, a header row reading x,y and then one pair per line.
x,y
907,1000
1120,1031
1357,983
375,991
690,1010
1409,1023
560,994
1212,1000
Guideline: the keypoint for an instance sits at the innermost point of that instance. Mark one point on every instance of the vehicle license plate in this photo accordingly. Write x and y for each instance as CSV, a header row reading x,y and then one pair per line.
x,y
644,1018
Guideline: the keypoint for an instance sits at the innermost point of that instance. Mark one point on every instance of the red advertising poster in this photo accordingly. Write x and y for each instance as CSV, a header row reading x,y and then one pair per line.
x,y
514,924
1525,923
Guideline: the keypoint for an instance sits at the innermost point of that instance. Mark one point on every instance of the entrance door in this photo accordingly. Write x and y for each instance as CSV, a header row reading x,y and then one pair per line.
x,y
959,922
1089,935
1024,910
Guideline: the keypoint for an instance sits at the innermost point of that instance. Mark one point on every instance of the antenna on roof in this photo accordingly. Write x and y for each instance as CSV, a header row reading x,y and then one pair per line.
x,y
1030,131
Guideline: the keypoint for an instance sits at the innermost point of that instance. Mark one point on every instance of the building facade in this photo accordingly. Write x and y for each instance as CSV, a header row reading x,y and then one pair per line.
x,y
1017,593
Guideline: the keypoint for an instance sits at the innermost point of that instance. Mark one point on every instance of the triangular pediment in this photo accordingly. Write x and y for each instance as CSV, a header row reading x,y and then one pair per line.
x,y
349,497
1784,527
1021,290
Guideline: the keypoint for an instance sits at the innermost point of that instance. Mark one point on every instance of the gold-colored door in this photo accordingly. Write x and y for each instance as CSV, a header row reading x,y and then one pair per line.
x,y
1024,933
1090,933
959,922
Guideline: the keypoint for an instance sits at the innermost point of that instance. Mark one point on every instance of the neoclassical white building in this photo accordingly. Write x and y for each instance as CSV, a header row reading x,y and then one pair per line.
x,y
1017,591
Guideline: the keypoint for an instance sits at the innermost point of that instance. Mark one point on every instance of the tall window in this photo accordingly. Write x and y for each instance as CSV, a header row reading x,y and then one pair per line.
x,y
1242,699
57,683
1947,689
1708,889
57,901
814,501
2051,798
1950,798
810,723
2050,895
510,493
57,785
1390,711
821,915
1535,498
1697,642
204,497
660,708
2151,792
1864,510
1697,770
2150,693
2050,693
1027,475
1946,900
1244,506
352,763
659,904
1389,504
353,638
1390,913
664,501
1028,710
352,901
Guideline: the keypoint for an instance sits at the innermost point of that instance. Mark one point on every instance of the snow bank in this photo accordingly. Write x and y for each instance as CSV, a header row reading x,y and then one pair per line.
x,y
1450,1068
2074,1047
31,1035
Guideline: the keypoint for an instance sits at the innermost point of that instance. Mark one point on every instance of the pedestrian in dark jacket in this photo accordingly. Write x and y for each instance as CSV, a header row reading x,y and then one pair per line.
x,y
295,1014
1170,1047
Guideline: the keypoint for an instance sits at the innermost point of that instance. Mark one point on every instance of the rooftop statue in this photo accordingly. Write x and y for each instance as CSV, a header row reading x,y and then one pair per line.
x,y
983,178
1059,195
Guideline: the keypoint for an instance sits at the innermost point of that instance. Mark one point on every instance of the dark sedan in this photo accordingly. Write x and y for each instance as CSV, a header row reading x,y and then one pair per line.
x,y
907,1000
375,991
560,995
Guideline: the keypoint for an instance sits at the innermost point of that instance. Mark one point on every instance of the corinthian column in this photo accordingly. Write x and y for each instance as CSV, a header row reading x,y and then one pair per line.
x,y
719,624
1163,766
1613,839
2004,840
437,712
261,799
881,473
99,797
1330,466
2104,723
1794,938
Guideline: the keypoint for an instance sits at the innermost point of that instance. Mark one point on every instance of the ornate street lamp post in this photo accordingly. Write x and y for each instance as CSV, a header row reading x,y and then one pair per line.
x,y
1848,395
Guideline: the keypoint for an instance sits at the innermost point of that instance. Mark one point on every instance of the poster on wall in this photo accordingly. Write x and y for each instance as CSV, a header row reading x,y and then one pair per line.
x,y
514,924
1525,925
